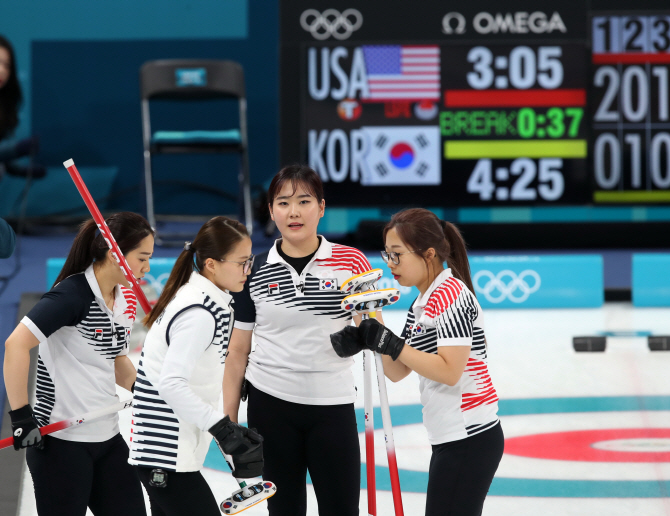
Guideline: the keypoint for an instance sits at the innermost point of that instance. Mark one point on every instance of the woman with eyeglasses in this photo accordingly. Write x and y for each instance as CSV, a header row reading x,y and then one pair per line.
x,y
179,379
300,393
443,341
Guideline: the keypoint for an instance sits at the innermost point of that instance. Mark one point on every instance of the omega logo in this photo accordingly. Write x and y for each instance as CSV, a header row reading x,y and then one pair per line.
x,y
520,22
455,27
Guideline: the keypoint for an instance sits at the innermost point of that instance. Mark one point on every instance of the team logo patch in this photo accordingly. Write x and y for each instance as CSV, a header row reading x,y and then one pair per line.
x,y
98,334
273,288
328,284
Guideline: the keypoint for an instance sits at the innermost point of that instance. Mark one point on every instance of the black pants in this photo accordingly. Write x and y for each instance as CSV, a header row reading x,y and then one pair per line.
x,y
70,476
461,473
320,438
185,494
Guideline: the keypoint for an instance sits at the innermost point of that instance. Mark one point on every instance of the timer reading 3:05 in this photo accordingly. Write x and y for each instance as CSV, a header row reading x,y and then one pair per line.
x,y
521,69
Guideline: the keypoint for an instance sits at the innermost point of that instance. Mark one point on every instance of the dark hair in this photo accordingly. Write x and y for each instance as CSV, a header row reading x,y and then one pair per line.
x,y
216,239
420,229
298,175
10,95
128,229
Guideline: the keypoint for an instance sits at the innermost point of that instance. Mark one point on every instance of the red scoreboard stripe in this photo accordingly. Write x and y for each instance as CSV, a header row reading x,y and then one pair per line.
x,y
630,58
515,98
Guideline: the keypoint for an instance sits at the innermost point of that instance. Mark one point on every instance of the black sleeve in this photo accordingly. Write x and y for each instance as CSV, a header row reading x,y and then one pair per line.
x,y
7,239
64,305
245,309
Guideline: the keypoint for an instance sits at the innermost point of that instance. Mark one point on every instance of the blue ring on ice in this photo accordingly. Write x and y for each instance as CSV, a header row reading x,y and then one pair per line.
x,y
417,481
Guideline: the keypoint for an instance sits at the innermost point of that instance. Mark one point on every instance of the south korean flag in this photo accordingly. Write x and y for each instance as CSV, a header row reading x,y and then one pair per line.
x,y
402,156
328,284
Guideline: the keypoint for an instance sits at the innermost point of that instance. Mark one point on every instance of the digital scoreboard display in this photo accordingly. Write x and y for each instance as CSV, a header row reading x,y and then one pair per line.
x,y
630,119
485,104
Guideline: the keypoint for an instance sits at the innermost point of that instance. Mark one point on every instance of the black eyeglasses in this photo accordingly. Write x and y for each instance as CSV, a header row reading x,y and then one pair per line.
x,y
394,257
246,264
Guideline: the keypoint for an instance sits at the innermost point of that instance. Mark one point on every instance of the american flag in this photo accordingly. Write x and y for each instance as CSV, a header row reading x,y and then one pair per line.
x,y
402,72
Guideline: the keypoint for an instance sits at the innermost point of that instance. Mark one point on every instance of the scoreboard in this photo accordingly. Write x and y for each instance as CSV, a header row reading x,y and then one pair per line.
x,y
630,143
484,104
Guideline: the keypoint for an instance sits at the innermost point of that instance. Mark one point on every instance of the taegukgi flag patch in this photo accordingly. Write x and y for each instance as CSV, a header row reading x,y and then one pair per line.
x,y
273,288
328,284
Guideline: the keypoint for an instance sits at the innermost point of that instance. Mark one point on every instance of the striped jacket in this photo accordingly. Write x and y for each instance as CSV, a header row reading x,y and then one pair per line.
x,y
179,379
448,314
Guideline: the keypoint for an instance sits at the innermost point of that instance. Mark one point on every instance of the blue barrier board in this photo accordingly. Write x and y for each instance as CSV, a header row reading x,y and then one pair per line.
x,y
160,271
561,281
651,279
558,281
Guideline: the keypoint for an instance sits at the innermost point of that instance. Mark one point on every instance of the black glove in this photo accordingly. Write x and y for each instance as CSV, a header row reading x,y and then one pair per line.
x,y
379,338
25,428
249,464
243,444
347,342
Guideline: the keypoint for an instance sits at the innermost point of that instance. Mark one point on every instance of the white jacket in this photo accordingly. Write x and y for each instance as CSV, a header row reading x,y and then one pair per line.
x,y
180,378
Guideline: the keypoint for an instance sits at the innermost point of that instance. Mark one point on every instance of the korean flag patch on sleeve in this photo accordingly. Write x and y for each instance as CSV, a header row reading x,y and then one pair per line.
x,y
328,284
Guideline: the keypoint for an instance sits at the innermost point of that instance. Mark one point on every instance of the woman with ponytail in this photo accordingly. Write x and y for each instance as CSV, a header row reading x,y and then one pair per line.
x,y
82,326
443,341
180,376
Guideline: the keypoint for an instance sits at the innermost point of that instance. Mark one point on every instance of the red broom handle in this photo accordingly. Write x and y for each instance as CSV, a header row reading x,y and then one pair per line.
x,y
107,234
74,421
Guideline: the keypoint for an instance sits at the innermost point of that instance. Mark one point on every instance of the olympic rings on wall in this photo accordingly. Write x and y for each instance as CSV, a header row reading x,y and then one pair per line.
x,y
331,23
509,289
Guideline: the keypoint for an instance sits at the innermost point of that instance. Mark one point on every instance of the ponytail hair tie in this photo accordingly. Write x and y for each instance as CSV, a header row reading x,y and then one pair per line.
x,y
187,246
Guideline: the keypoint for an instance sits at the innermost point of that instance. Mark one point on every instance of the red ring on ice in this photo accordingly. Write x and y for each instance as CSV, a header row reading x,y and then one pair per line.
x,y
578,445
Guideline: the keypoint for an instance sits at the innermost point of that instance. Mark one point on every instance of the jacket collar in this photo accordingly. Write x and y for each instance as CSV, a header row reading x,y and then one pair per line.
x,y
199,282
120,303
324,251
441,278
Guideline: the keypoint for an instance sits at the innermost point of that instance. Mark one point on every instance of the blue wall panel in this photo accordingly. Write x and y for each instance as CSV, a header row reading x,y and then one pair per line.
x,y
500,281
651,279
82,61
559,281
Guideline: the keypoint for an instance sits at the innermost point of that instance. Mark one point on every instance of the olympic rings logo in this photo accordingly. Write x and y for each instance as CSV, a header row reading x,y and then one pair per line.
x,y
516,289
331,23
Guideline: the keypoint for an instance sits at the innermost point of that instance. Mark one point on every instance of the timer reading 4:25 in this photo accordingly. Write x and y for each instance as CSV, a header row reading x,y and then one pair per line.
x,y
487,181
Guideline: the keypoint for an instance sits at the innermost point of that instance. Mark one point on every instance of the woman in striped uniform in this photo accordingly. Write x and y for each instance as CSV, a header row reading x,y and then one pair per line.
x,y
82,326
179,380
443,341
301,394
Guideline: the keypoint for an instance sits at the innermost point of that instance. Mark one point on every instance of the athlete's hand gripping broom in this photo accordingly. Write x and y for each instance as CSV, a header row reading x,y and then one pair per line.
x,y
364,301
73,421
247,494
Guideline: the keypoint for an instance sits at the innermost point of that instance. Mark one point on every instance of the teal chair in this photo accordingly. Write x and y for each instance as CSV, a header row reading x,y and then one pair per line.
x,y
191,80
